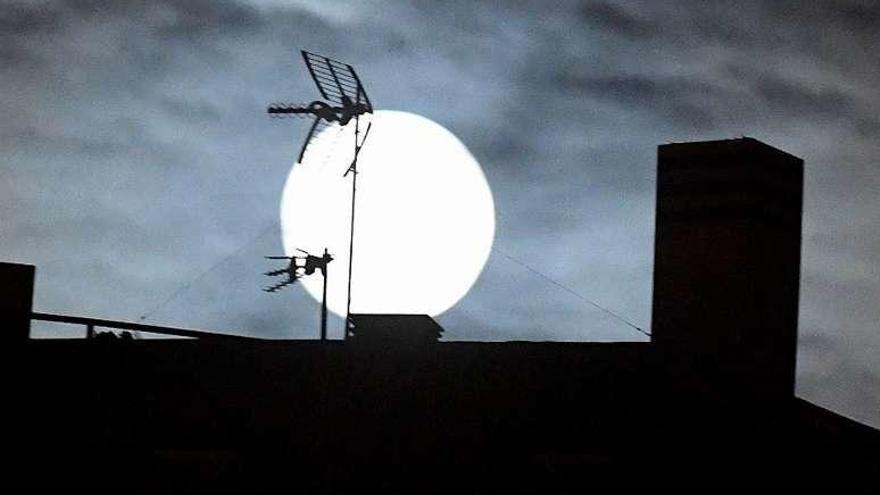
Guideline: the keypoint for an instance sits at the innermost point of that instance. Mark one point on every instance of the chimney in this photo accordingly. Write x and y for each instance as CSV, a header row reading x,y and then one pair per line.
x,y
16,299
727,261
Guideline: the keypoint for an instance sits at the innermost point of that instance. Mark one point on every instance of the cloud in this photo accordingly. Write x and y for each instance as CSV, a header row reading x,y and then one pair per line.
x,y
678,98
615,19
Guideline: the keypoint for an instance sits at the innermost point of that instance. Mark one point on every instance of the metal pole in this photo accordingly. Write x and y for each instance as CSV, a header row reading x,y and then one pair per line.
x,y
350,250
324,303
354,176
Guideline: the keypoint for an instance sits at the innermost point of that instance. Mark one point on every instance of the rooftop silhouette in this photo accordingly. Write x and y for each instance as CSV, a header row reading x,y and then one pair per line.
x,y
710,397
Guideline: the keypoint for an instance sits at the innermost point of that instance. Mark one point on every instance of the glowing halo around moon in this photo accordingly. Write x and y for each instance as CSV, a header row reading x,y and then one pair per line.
x,y
424,224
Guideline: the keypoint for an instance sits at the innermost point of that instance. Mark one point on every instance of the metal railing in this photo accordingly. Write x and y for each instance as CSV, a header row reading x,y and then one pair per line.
x,y
92,323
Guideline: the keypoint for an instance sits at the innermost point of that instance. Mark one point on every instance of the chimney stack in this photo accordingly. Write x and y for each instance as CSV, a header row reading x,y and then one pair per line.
x,y
727,261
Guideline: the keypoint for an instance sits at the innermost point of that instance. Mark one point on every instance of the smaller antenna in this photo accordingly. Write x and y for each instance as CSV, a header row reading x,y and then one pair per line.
x,y
301,266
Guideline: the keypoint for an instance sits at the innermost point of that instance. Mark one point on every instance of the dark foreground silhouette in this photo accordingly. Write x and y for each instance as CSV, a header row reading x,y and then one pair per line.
x,y
708,403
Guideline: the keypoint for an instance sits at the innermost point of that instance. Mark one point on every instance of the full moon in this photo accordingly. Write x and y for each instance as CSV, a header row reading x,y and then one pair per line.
x,y
424,216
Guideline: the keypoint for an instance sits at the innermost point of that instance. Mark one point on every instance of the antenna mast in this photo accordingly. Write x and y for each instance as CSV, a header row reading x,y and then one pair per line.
x,y
353,170
339,84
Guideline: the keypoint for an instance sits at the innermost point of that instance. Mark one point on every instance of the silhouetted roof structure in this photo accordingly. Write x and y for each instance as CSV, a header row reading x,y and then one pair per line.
x,y
393,329
709,401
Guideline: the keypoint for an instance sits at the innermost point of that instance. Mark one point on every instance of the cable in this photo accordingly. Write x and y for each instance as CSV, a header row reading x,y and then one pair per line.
x,y
528,267
573,292
189,284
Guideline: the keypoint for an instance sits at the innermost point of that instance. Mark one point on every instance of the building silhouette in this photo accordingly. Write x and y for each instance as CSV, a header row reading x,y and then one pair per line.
x,y
709,400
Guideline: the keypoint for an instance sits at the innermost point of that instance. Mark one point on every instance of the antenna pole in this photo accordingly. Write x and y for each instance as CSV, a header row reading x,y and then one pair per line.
x,y
354,176
324,302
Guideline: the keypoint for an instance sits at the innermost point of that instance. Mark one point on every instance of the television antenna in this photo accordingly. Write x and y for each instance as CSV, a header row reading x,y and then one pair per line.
x,y
299,267
346,100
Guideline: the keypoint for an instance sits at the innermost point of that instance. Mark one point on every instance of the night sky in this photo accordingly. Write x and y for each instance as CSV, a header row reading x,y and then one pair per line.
x,y
142,176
